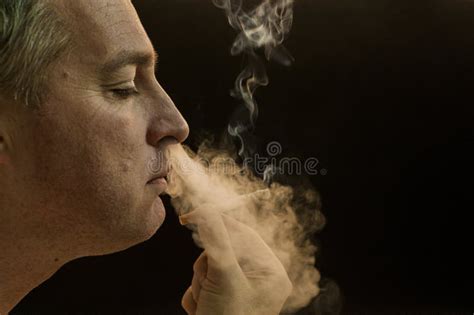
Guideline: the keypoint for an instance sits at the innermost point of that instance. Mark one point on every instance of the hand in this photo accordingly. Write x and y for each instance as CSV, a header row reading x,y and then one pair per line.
x,y
237,273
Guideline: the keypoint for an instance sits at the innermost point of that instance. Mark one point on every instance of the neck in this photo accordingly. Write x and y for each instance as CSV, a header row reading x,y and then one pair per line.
x,y
25,263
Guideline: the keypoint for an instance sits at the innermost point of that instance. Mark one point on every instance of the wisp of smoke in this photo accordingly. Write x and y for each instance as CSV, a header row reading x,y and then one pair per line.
x,y
283,219
264,27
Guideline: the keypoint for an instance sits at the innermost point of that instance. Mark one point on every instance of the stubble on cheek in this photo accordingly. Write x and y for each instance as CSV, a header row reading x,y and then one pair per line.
x,y
83,172
117,167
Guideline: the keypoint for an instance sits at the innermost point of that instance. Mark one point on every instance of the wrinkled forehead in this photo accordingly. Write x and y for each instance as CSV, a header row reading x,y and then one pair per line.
x,y
103,28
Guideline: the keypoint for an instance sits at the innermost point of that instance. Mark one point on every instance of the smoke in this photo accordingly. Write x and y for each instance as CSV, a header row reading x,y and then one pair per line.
x,y
263,28
283,216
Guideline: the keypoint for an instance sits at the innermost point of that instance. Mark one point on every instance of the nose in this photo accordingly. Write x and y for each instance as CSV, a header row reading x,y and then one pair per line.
x,y
166,121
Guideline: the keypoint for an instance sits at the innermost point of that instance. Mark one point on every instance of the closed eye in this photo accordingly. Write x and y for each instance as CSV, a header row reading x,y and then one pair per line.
x,y
125,93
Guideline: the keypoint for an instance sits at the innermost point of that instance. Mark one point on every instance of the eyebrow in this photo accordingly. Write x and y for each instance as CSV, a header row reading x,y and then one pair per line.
x,y
126,58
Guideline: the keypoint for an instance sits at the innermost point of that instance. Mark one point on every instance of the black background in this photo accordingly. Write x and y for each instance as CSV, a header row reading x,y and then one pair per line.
x,y
381,94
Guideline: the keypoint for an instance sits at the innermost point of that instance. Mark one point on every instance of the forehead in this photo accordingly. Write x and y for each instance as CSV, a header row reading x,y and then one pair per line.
x,y
103,28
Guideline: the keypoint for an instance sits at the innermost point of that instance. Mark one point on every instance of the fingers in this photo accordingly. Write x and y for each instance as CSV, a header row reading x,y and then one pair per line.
x,y
200,272
249,246
191,296
228,242
207,216
188,303
214,237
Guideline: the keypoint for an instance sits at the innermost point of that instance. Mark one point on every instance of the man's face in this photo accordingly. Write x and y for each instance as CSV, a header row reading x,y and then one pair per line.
x,y
82,163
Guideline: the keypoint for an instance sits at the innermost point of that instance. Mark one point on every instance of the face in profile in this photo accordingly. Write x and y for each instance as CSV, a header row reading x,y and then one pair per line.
x,y
82,163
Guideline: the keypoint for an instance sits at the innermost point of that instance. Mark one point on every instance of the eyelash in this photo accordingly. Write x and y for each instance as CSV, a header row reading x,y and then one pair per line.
x,y
124,93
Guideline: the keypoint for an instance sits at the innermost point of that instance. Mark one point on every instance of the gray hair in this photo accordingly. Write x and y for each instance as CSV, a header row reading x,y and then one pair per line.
x,y
32,37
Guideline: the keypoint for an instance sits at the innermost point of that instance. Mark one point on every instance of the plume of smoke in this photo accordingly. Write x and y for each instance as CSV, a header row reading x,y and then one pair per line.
x,y
279,214
264,27
284,217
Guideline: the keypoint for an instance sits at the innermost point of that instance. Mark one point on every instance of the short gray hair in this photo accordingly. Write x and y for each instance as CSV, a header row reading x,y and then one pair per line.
x,y
32,37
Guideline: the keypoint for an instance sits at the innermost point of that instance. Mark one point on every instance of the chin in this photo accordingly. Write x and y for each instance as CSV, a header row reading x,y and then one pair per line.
x,y
148,224
155,219
135,229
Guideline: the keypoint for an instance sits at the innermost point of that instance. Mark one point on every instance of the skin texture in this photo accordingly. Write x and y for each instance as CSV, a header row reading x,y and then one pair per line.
x,y
74,175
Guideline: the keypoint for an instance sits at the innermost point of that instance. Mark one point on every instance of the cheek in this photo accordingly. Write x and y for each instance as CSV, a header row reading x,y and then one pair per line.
x,y
99,156
87,185
117,159
92,156
121,145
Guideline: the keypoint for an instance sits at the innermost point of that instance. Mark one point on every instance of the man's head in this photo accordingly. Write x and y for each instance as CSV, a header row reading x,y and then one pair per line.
x,y
83,122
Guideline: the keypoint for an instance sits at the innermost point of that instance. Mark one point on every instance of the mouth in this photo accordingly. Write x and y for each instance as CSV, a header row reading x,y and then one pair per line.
x,y
162,174
159,184
159,168
157,180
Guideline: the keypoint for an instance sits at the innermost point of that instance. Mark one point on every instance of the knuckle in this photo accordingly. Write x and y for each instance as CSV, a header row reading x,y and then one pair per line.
x,y
196,266
184,305
185,302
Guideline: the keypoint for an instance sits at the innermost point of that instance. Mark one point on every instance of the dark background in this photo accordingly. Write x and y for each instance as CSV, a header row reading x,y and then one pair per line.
x,y
381,94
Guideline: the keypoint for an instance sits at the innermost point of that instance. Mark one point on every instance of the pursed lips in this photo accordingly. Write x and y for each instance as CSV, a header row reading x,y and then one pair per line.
x,y
159,181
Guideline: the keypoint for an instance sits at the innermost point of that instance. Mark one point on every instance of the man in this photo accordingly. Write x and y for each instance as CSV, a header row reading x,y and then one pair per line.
x,y
81,119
